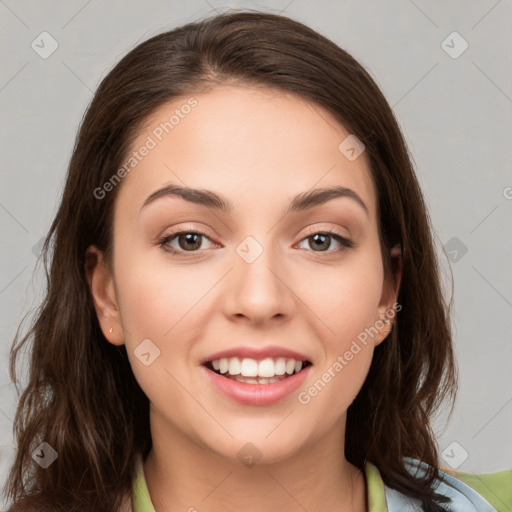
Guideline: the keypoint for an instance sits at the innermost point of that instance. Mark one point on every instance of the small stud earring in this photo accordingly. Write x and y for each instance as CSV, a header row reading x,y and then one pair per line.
x,y
110,330
387,323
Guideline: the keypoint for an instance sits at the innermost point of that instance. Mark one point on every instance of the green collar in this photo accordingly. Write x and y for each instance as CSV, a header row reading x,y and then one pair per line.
x,y
375,489
374,484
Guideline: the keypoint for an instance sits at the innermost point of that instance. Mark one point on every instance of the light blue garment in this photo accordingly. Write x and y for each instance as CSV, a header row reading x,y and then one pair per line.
x,y
464,498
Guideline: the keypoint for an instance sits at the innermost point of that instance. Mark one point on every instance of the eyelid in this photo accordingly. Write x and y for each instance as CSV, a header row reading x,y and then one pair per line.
x,y
315,229
344,240
187,229
165,239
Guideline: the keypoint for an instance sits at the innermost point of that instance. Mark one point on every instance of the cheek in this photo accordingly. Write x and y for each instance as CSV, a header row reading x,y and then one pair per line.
x,y
344,296
336,384
345,302
155,297
162,303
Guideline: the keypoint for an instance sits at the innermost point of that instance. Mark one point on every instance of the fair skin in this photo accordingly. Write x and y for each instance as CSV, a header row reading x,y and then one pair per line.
x,y
258,149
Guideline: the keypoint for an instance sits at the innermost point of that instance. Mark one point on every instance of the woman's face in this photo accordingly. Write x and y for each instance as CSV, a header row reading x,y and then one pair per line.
x,y
266,279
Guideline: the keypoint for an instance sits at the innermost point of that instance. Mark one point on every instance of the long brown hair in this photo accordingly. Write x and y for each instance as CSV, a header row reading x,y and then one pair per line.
x,y
81,396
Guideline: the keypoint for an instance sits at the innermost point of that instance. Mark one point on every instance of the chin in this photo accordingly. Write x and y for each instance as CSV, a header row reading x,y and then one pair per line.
x,y
256,448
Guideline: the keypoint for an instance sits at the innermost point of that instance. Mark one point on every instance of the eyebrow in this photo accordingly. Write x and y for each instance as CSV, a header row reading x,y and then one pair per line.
x,y
210,199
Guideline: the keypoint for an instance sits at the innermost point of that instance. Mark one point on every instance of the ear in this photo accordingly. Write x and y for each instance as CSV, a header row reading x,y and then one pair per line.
x,y
101,284
388,306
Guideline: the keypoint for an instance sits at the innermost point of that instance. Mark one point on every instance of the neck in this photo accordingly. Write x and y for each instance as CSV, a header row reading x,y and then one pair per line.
x,y
183,475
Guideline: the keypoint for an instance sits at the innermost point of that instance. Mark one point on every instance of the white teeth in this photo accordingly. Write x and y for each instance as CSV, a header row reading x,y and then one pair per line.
x,y
290,366
234,366
246,380
223,365
249,367
280,366
267,368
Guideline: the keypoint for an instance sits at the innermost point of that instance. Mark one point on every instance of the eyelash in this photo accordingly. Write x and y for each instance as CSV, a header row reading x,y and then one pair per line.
x,y
162,242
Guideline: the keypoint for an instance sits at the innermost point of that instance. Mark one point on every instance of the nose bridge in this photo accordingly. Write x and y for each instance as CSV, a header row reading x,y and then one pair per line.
x,y
257,289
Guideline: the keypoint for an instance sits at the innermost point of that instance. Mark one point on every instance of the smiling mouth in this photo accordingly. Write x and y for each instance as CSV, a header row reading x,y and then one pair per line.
x,y
251,371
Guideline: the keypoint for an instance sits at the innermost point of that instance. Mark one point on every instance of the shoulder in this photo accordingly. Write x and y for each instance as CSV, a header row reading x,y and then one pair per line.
x,y
468,492
496,487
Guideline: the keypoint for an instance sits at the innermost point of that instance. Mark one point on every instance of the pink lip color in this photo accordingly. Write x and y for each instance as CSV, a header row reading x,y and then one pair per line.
x,y
256,394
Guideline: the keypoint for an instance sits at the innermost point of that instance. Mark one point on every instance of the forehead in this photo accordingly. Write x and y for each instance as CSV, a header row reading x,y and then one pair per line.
x,y
251,144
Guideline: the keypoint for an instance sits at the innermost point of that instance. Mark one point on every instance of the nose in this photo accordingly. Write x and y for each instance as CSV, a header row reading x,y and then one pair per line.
x,y
258,291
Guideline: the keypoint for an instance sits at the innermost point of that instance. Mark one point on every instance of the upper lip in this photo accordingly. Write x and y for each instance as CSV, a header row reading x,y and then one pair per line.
x,y
257,353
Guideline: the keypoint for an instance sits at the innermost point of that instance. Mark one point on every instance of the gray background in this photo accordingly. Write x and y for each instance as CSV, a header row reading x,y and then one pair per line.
x,y
455,113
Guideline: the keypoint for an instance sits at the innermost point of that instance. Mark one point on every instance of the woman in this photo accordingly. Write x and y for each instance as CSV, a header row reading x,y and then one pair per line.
x,y
244,309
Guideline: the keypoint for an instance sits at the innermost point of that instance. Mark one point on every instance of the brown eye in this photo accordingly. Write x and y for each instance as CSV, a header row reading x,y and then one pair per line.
x,y
322,242
182,242
319,241
189,241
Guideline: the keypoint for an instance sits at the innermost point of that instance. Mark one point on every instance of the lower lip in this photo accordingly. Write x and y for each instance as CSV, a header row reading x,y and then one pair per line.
x,y
257,394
